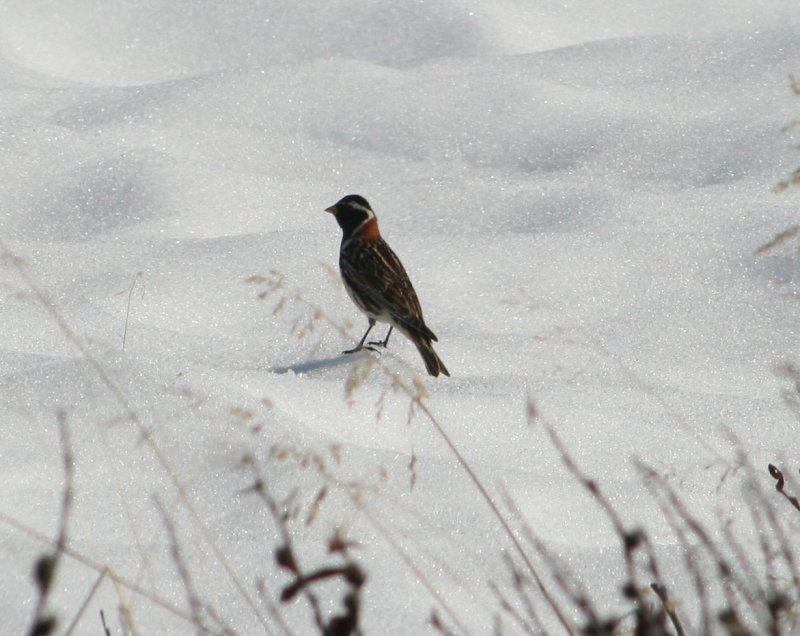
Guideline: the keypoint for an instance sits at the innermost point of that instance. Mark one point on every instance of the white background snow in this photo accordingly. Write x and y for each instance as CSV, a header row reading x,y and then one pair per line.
x,y
577,190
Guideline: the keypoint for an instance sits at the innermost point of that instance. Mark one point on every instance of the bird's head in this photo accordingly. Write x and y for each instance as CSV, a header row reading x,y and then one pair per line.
x,y
352,213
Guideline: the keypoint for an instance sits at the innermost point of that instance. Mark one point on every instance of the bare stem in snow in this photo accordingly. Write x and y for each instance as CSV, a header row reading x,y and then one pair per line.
x,y
777,475
128,309
45,569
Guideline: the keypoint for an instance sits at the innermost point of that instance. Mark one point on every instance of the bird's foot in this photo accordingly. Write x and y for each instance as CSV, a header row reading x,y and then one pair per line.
x,y
362,347
379,343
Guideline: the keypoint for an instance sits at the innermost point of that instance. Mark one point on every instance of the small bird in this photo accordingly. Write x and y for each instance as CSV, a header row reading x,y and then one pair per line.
x,y
377,283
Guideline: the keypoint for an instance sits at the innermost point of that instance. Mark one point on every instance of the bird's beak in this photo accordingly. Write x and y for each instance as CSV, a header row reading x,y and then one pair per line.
x,y
331,210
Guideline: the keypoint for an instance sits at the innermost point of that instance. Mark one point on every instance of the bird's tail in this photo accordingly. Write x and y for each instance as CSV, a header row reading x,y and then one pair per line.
x,y
433,363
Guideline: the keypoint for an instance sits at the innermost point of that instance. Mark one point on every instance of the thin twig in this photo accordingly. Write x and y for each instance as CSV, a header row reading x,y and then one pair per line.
x,y
777,475
48,563
779,239
669,607
128,309
106,631
195,606
86,602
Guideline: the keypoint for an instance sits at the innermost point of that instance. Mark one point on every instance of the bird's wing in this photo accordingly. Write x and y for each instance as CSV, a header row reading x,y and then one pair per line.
x,y
375,272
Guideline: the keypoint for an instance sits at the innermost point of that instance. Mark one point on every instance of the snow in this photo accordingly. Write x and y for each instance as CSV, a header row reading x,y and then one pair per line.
x,y
578,192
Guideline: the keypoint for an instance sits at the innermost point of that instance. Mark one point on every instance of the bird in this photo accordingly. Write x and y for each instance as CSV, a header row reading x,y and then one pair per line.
x,y
377,282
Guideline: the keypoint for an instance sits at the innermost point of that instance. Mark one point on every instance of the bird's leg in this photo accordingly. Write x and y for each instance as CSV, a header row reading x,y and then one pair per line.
x,y
360,345
383,343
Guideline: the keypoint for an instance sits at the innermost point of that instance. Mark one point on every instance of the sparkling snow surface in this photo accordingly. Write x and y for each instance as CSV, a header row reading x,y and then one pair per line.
x,y
578,193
